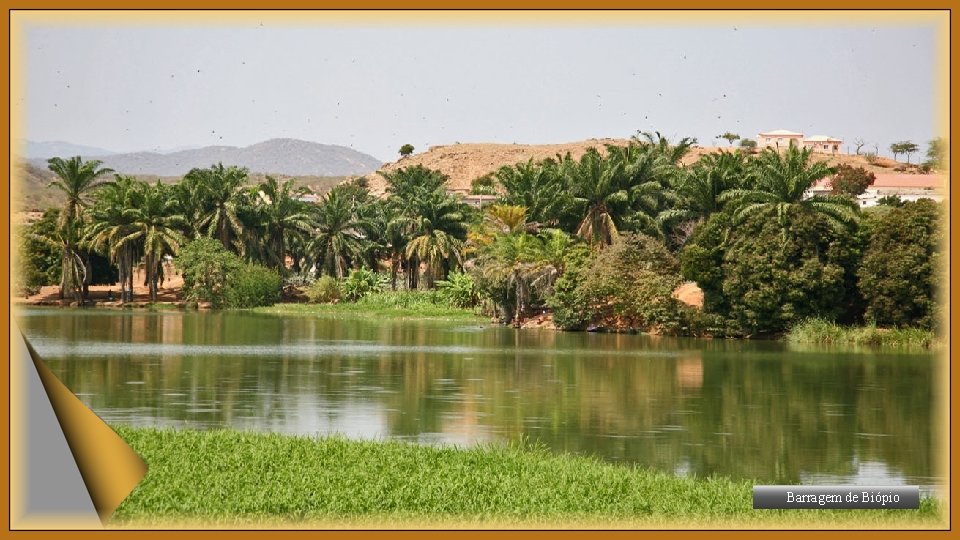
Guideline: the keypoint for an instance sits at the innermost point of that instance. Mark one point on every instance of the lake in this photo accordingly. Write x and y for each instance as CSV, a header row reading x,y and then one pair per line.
x,y
760,410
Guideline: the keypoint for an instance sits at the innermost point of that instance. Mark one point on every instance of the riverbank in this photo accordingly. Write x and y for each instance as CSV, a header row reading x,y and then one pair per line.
x,y
241,478
381,305
822,332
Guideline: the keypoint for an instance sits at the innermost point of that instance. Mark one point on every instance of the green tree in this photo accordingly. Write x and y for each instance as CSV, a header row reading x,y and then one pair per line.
x,y
537,186
730,137
780,182
156,226
903,147
111,226
406,150
660,145
627,286
206,267
909,148
851,181
385,230
337,243
762,277
699,187
644,172
416,192
890,200
936,153
284,218
221,191
598,193
438,226
77,180
748,145
39,254
483,185
902,265
509,266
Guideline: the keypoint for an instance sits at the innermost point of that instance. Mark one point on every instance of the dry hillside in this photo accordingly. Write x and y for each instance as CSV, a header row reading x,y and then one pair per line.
x,y
465,162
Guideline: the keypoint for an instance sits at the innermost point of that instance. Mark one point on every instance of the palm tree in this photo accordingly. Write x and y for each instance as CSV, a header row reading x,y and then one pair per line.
x,y
438,229
538,187
385,231
220,190
522,263
780,181
645,175
672,153
427,213
596,186
77,180
74,271
337,242
283,217
507,218
409,183
110,225
699,188
189,193
157,226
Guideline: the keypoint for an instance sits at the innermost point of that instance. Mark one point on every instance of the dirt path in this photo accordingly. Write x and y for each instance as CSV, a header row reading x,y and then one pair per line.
x,y
169,291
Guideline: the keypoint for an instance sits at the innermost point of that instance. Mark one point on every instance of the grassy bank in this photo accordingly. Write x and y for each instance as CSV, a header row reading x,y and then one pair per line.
x,y
399,304
826,332
229,477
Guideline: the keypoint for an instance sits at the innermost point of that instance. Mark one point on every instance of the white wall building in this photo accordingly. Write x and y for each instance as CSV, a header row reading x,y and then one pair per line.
x,y
779,138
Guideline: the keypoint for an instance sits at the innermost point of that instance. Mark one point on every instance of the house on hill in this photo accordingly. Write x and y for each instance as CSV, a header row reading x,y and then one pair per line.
x,y
782,139
823,144
779,138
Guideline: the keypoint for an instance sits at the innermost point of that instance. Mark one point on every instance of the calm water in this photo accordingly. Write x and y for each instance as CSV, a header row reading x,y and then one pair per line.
x,y
756,410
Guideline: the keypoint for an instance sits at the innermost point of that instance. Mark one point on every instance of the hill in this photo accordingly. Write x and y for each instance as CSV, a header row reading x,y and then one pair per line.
x,y
291,157
32,194
49,149
465,162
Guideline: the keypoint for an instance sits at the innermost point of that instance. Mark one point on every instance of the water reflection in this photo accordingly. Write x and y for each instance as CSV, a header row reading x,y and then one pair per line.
x,y
748,409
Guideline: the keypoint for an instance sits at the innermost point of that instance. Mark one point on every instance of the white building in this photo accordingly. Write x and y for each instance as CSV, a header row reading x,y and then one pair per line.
x,y
780,138
823,144
909,187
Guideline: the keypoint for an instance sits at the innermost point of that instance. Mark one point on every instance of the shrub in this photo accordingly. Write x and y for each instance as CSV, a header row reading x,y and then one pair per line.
x,y
360,283
627,286
851,180
763,278
206,266
324,290
252,285
459,290
890,200
901,265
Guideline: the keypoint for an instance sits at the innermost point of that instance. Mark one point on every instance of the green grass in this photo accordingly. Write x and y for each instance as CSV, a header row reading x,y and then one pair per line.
x,y
825,332
393,305
241,478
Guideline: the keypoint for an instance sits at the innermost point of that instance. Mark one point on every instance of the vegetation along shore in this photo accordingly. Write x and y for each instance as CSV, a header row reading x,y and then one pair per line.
x,y
598,243
243,478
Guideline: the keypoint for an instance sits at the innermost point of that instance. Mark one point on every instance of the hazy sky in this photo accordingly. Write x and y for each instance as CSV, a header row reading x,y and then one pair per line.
x,y
128,87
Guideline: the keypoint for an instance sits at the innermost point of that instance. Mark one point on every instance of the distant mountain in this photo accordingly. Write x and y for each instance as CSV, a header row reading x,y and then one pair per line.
x,y
48,149
277,156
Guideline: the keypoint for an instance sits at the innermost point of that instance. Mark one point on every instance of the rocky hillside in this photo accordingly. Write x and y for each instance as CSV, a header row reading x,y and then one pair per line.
x,y
290,157
465,162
